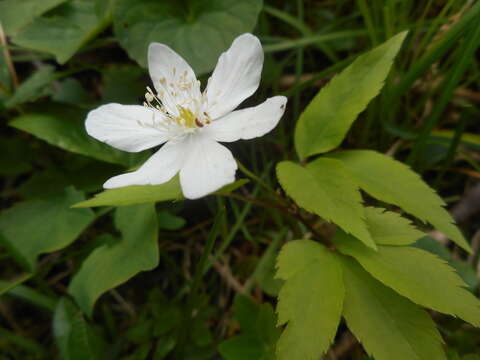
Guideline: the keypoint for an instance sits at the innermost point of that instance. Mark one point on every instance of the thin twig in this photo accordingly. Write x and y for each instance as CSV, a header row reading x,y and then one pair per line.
x,y
8,58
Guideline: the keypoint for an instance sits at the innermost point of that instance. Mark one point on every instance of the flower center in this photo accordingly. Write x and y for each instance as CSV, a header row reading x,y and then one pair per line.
x,y
183,121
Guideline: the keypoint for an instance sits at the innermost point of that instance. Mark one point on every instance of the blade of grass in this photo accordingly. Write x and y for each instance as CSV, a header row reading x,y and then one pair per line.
x,y
469,47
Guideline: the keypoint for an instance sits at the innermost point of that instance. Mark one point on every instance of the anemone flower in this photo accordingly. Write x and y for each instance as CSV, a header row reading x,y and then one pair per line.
x,y
188,122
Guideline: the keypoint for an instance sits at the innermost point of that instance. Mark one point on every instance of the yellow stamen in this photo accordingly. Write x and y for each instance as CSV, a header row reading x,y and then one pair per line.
x,y
187,116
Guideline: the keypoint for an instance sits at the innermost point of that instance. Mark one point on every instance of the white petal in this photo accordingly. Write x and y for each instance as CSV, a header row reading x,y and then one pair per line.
x,y
236,75
126,127
158,169
173,78
248,123
209,166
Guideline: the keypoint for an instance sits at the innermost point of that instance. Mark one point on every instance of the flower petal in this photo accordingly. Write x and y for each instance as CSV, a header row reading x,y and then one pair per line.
x,y
158,169
127,127
248,123
236,76
173,78
209,166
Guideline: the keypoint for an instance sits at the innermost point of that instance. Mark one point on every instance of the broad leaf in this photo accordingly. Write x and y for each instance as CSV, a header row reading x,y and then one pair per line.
x,y
310,300
199,30
416,274
63,33
326,188
326,120
258,335
389,228
112,264
16,14
75,338
33,88
395,183
70,134
35,227
389,326
136,194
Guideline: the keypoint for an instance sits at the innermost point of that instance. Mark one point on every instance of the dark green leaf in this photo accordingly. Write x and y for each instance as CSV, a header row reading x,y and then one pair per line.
x,y
70,134
40,226
111,265
198,30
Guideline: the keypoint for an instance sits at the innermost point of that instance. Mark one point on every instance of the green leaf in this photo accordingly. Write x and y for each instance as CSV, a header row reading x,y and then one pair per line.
x,y
389,326
326,120
16,14
265,269
35,227
258,335
198,30
33,88
112,264
123,84
395,183
310,301
75,338
169,221
389,228
326,188
136,194
64,32
416,274
70,134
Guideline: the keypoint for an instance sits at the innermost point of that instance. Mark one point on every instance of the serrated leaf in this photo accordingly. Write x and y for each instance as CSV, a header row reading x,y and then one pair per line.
x,y
395,183
113,264
16,14
326,188
70,134
258,335
389,326
326,120
389,228
35,227
416,274
33,87
136,194
310,301
63,33
75,338
216,23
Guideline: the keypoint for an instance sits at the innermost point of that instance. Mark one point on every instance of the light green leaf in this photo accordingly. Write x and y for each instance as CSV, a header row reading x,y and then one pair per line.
x,y
70,134
75,338
136,194
389,326
199,30
35,227
310,301
389,228
326,120
416,274
112,264
63,33
258,335
33,88
16,14
395,183
326,188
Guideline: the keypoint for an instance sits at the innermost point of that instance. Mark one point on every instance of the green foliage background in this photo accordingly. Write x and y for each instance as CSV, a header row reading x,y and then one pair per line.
x,y
308,254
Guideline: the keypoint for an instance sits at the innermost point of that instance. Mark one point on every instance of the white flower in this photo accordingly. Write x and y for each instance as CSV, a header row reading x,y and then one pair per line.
x,y
189,123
